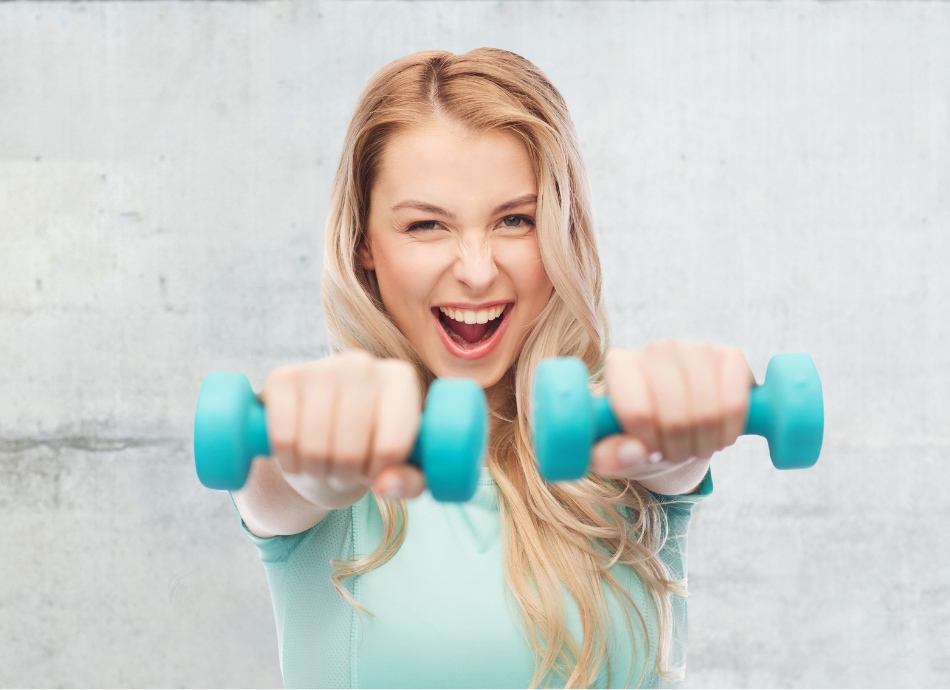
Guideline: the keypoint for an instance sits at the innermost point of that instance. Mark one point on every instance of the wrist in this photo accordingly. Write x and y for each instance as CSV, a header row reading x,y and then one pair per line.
x,y
320,494
682,479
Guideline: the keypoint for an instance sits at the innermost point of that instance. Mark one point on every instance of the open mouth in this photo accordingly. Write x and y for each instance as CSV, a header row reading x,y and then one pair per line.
x,y
463,327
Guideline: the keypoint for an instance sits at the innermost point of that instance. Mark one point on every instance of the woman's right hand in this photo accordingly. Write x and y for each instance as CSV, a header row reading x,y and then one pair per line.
x,y
341,425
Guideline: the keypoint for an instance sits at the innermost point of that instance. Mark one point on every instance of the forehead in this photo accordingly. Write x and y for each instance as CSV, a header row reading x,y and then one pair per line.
x,y
444,163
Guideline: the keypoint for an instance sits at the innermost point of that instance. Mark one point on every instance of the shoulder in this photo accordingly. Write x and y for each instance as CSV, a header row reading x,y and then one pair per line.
x,y
678,511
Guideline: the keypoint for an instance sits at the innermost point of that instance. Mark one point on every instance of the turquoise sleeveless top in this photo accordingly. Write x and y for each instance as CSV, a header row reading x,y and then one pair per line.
x,y
442,613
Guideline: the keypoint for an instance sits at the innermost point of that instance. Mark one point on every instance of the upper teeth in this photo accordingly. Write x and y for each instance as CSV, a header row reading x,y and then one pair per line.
x,y
466,316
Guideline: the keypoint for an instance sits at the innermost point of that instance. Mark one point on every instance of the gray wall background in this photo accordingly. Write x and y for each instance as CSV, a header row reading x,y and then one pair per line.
x,y
774,176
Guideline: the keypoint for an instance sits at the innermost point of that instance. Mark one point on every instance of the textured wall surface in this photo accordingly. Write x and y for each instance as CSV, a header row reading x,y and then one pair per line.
x,y
774,176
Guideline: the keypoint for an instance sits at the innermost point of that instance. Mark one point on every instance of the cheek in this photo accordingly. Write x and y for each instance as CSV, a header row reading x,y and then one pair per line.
x,y
405,276
538,278
527,271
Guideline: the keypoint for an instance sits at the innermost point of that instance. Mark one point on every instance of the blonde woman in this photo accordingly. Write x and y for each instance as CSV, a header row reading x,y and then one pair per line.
x,y
461,193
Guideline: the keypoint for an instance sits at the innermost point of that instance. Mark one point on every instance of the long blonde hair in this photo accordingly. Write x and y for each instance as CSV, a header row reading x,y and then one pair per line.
x,y
556,536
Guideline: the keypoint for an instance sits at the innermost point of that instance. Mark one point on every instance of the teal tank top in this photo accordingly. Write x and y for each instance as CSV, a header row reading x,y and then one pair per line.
x,y
443,616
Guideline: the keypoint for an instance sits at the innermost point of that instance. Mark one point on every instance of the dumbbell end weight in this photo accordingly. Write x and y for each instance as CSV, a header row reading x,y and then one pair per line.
x,y
453,438
788,410
562,419
230,431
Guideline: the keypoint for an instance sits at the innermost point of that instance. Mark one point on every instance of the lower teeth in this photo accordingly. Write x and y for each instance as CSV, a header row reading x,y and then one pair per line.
x,y
492,329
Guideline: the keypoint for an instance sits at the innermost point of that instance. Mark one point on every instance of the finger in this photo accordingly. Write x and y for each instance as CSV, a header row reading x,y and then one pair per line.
x,y
281,400
667,385
620,456
353,422
630,398
400,481
398,415
317,411
701,375
737,381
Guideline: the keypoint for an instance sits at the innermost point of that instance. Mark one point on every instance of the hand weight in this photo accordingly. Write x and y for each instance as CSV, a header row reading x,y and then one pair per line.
x,y
231,430
787,409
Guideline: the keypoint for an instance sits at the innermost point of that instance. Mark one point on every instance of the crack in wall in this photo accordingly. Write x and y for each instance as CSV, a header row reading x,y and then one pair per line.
x,y
96,444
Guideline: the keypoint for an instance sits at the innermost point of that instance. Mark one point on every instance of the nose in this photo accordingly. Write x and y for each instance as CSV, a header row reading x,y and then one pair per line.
x,y
475,265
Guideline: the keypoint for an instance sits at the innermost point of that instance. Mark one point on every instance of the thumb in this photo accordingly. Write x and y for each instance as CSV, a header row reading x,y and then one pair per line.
x,y
400,481
621,455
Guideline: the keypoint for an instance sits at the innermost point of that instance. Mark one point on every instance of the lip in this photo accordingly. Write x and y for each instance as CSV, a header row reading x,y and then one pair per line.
x,y
468,306
482,349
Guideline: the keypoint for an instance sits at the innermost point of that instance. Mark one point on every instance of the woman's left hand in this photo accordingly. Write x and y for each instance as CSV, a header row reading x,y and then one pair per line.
x,y
678,403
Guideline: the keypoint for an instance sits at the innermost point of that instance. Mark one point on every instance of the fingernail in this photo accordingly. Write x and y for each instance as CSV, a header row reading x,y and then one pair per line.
x,y
396,489
655,458
631,453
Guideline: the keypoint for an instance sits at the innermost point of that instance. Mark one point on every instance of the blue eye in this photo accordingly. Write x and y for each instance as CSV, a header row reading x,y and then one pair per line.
x,y
422,226
519,221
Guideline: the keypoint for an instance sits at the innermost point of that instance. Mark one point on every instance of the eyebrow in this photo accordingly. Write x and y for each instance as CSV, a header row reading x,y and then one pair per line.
x,y
435,210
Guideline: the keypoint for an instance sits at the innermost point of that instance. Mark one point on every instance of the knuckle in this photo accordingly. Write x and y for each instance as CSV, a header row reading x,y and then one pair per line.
x,y
389,454
632,417
397,370
675,426
400,375
280,379
690,346
358,360
359,354
312,377
735,392
707,351
348,457
736,409
282,442
311,449
663,350
707,419
619,364
733,356
663,345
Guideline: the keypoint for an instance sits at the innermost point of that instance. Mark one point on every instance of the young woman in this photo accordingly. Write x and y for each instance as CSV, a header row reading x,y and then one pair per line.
x,y
459,243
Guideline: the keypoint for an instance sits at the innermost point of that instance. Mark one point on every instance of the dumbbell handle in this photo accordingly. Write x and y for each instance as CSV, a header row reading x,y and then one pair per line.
x,y
255,430
258,443
606,423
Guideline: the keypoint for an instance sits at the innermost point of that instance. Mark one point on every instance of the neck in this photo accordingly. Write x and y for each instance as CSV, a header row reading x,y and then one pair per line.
x,y
501,399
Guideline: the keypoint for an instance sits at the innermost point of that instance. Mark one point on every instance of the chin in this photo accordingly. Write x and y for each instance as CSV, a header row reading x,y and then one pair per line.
x,y
485,373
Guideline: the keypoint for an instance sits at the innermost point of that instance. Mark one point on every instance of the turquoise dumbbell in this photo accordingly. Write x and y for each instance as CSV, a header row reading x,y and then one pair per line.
x,y
787,409
230,431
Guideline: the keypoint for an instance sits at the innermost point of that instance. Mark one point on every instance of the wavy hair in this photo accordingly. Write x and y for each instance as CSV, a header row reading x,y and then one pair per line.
x,y
557,537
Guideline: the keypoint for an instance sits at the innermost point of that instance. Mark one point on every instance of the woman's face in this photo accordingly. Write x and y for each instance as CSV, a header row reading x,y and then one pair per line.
x,y
452,240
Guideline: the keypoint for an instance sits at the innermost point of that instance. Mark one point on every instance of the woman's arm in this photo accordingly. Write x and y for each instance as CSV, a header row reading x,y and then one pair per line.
x,y
270,506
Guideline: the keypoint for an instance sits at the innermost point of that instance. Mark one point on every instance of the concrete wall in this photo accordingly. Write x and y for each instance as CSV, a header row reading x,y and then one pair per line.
x,y
774,176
